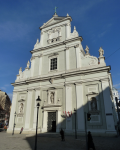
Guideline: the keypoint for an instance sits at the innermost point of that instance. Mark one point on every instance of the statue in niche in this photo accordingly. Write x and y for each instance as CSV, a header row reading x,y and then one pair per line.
x,y
52,97
93,104
21,107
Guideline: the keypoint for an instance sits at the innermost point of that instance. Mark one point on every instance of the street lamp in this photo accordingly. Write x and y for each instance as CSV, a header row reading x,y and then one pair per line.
x,y
14,122
38,105
75,124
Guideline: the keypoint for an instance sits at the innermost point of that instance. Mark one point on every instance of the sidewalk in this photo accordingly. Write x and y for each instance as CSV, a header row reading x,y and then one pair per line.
x,y
23,142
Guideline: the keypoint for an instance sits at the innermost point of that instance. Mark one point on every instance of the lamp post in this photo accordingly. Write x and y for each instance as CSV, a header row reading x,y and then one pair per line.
x,y
38,105
14,122
75,124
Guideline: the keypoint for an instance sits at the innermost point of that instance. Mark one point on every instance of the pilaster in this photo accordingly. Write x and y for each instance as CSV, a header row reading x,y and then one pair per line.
x,y
77,56
45,115
37,93
40,64
108,105
68,106
80,107
28,110
58,120
68,30
67,58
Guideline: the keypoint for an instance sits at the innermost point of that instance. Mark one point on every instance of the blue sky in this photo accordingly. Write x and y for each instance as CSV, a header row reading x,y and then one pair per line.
x,y
97,21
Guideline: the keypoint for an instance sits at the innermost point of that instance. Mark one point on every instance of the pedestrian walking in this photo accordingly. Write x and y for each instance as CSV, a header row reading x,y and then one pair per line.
x,y
62,135
21,130
90,141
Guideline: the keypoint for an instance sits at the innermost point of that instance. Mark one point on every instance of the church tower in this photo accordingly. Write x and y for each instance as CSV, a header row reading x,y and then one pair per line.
x,y
66,78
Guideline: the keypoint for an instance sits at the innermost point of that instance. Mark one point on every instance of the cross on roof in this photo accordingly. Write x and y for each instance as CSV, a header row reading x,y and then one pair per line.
x,y
55,10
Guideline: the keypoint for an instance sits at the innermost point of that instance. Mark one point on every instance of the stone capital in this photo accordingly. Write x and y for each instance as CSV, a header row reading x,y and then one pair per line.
x,y
40,55
66,48
104,80
33,57
78,83
76,46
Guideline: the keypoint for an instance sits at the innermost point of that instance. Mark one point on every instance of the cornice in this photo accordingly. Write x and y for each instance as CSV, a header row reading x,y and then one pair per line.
x,y
64,75
56,44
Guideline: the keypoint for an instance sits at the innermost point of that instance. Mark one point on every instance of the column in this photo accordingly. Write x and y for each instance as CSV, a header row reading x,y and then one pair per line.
x,y
68,106
67,58
68,30
80,107
77,56
108,105
58,120
32,65
40,64
37,93
45,115
11,122
28,109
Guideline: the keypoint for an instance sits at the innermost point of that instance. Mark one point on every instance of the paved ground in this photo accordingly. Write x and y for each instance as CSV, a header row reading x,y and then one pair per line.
x,y
23,142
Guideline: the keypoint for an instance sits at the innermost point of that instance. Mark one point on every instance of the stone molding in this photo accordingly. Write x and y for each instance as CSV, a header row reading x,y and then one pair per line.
x,y
47,25
53,54
68,84
75,73
56,44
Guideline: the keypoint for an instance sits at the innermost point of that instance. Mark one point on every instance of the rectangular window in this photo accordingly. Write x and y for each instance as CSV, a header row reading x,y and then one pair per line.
x,y
53,64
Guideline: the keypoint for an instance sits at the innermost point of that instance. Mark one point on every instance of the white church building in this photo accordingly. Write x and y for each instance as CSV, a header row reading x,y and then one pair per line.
x,y
66,78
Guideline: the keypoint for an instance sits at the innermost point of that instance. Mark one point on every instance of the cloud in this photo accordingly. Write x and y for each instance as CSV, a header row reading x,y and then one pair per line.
x,y
102,34
116,85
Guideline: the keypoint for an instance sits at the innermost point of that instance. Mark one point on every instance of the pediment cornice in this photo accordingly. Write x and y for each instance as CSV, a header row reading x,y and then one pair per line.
x,y
57,19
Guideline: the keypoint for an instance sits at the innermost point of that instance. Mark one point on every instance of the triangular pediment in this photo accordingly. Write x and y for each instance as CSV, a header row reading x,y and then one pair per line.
x,y
54,20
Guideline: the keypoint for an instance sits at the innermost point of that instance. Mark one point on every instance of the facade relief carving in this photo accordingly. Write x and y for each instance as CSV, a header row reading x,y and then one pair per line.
x,y
54,35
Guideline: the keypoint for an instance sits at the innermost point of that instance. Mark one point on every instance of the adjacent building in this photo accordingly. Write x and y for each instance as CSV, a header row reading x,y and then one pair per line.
x,y
5,104
66,77
115,94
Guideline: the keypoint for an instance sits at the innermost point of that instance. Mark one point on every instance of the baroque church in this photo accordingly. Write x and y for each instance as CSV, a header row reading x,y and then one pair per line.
x,y
69,81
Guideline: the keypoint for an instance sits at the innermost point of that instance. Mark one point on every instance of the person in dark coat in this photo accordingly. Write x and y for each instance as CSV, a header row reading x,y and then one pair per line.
x,y
21,130
62,134
90,141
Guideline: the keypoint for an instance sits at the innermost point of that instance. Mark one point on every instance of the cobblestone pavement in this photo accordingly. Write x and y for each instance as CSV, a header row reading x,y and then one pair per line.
x,y
23,142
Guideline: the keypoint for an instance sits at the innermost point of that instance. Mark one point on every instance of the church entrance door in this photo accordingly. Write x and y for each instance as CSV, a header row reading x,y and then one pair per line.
x,y
51,124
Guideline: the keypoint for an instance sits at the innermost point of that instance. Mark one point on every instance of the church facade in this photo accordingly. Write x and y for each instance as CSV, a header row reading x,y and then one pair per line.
x,y
66,78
